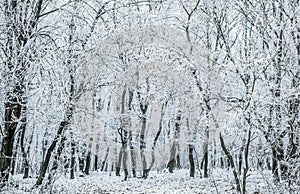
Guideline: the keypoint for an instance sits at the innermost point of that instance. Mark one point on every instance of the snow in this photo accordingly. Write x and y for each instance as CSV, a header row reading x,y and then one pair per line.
x,y
220,181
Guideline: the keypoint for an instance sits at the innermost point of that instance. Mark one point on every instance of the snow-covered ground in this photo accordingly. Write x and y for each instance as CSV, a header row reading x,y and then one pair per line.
x,y
220,181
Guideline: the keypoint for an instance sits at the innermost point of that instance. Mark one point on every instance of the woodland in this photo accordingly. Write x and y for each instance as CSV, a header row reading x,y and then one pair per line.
x,y
111,96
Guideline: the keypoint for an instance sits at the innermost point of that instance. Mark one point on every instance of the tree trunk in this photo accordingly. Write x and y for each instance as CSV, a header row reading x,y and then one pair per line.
x,y
15,63
50,150
172,161
95,162
231,162
143,145
88,163
12,115
24,154
133,156
72,165
105,160
119,163
191,159
125,165
56,161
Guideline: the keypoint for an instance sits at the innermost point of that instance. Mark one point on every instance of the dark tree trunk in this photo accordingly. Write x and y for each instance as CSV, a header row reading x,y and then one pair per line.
x,y
119,162
231,163
72,167
172,162
95,163
56,160
205,167
88,163
191,160
12,114
81,165
178,165
50,150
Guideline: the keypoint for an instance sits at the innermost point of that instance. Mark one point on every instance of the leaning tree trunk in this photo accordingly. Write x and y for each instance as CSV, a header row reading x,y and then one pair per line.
x,y
104,162
50,150
146,173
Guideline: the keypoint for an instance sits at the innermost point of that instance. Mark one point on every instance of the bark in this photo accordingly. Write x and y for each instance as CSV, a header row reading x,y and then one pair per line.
x,y
125,165
191,160
88,163
12,114
72,167
105,159
123,132
246,154
96,158
49,153
205,157
230,158
118,166
133,156
172,162
143,146
56,161
24,154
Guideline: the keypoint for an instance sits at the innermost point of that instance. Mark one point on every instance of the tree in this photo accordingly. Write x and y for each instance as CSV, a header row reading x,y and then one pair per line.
x,y
19,49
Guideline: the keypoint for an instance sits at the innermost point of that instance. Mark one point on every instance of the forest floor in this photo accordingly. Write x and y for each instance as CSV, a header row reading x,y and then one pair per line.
x,y
220,181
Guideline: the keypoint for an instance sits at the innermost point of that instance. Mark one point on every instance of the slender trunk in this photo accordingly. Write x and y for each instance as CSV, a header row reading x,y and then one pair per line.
x,y
246,154
81,165
26,170
50,150
231,162
14,164
205,166
205,150
56,161
191,160
132,154
72,167
172,161
95,163
88,163
24,154
105,161
143,146
155,140
125,164
96,158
